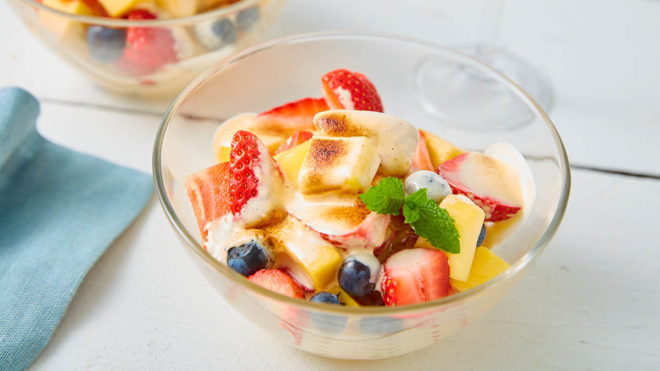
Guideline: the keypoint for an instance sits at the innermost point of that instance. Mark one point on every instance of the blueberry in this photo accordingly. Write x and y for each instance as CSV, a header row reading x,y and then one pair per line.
x,y
482,235
247,17
225,30
436,186
248,258
358,274
325,297
105,44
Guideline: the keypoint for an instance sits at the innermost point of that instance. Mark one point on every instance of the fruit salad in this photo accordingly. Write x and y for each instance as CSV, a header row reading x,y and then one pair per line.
x,y
145,57
332,200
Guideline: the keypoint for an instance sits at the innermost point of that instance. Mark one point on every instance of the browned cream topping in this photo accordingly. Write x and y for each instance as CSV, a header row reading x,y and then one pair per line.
x,y
334,123
350,215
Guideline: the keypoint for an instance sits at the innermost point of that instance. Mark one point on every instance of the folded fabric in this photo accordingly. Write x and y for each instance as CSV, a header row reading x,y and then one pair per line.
x,y
59,211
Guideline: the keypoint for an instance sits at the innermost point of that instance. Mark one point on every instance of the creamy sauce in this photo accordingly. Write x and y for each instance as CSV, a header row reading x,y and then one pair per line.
x,y
330,213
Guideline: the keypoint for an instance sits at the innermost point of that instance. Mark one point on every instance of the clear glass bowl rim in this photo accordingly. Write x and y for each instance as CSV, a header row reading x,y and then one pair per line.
x,y
455,299
120,22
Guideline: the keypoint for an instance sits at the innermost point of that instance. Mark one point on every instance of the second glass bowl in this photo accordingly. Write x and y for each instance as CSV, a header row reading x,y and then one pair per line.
x,y
194,43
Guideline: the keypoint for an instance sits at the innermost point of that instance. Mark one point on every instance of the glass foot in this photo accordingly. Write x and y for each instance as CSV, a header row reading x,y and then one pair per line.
x,y
498,109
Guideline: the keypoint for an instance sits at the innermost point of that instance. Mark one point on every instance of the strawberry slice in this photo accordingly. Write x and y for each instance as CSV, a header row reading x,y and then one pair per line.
x,y
290,117
488,182
297,138
421,159
207,190
147,48
256,184
278,281
350,90
415,276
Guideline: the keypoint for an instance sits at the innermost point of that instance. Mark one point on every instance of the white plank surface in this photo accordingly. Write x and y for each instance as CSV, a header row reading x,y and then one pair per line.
x,y
590,302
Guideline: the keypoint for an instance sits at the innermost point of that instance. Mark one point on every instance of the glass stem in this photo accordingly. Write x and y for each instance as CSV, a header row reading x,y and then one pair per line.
x,y
489,25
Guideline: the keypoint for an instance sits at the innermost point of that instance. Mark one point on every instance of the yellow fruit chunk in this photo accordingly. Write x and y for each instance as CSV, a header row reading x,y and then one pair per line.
x,y
222,154
73,7
486,265
244,121
311,260
468,219
179,8
344,298
116,8
338,164
59,26
439,149
291,160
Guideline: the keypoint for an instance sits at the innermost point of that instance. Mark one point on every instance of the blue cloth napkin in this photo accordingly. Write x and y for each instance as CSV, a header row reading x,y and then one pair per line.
x,y
59,211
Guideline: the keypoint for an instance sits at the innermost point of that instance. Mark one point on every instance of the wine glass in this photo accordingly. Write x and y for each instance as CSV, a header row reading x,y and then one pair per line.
x,y
496,104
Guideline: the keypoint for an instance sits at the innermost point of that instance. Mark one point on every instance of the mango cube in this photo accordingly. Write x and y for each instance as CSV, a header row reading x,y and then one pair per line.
x,y
117,8
439,149
73,7
468,219
291,160
60,26
308,258
343,164
344,297
486,265
179,8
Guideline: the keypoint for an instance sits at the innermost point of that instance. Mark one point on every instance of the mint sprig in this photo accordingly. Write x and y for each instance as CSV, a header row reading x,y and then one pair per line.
x,y
426,218
386,197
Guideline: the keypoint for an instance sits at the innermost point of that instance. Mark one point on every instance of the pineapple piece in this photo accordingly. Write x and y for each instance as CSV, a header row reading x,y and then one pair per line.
x,y
61,27
117,8
439,149
486,265
291,160
468,219
222,153
312,261
338,164
225,132
73,7
343,297
179,8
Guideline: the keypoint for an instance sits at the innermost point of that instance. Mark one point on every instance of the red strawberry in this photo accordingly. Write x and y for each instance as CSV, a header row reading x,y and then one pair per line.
x,y
256,182
350,90
489,183
421,159
297,138
414,276
147,48
278,281
207,190
291,117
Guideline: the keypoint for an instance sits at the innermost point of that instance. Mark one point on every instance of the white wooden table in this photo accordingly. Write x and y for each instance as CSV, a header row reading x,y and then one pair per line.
x,y
592,301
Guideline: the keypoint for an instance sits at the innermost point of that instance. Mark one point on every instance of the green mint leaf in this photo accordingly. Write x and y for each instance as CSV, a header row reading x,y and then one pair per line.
x,y
411,205
437,227
386,197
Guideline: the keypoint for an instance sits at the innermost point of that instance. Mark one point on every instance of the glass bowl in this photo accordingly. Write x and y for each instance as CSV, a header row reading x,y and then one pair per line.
x,y
289,69
195,46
